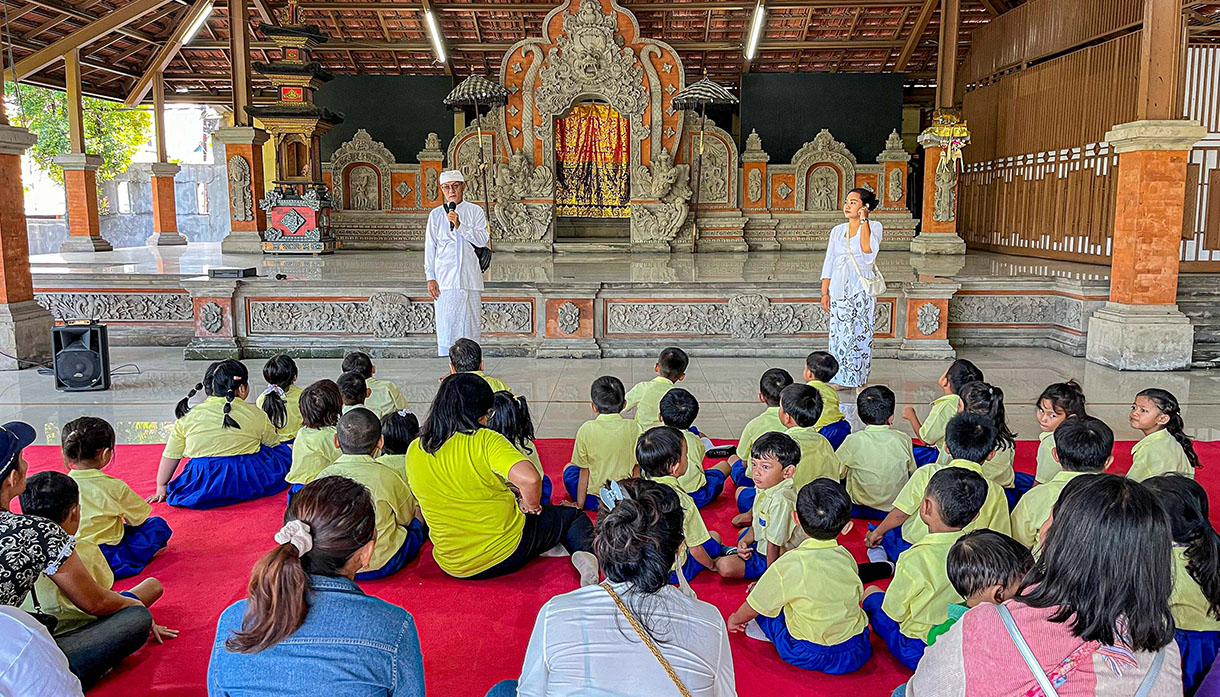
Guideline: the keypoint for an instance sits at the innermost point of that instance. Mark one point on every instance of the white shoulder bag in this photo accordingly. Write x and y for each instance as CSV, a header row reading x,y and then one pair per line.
x,y
874,286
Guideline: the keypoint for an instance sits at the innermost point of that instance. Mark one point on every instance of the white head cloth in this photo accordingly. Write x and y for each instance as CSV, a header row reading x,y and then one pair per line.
x,y
297,534
452,175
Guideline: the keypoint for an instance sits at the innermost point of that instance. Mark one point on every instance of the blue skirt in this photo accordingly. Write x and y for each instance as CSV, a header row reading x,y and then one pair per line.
x,y
211,482
711,489
1199,651
840,659
908,651
737,471
836,432
131,554
408,551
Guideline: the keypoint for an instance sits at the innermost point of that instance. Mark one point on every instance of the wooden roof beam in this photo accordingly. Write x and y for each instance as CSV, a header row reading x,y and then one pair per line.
x,y
501,46
921,25
720,6
166,54
265,13
995,7
71,11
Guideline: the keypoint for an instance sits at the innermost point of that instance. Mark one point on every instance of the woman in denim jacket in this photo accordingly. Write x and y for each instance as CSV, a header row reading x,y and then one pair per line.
x,y
306,628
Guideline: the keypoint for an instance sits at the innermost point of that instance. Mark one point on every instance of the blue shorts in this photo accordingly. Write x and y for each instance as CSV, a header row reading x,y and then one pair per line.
x,y
131,554
836,432
691,567
571,479
745,499
867,512
737,471
292,491
211,482
408,551
1012,496
547,487
893,542
1023,483
908,651
711,489
1198,653
925,454
846,657
756,565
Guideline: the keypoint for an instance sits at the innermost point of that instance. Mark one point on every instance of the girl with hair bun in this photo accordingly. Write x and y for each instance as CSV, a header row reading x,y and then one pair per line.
x,y
281,400
1165,447
850,254
235,453
306,620
634,633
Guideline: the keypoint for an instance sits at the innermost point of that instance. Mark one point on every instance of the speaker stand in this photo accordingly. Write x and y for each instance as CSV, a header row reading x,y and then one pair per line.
x,y
25,332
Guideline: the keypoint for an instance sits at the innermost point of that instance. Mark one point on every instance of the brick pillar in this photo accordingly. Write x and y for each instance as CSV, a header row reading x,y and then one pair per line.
x,y
431,161
1140,328
25,326
892,189
759,233
244,172
165,210
80,184
938,229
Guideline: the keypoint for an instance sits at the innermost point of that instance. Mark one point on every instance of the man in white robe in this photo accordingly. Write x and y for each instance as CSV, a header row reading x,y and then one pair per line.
x,y
455,281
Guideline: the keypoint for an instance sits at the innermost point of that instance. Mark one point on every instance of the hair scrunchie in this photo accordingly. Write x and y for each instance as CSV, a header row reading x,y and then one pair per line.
x,y
273,388
296,534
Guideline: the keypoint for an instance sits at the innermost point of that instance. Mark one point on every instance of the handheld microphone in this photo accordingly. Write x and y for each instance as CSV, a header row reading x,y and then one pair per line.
x,y
450,206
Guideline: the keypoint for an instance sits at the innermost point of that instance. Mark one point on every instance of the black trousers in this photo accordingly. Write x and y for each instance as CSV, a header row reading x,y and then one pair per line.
x,y
554,525
95,648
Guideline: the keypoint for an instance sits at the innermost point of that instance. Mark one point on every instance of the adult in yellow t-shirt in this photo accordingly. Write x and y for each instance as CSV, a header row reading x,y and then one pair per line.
x,y
480,495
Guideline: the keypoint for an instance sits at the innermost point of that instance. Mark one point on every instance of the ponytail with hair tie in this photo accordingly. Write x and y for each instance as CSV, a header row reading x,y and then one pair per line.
x,y
1168,404
184,406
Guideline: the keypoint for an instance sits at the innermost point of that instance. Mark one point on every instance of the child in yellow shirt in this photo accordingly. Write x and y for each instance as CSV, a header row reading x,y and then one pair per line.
x,y
679,409
984,566
1195,601
399,533
398,429
111,516
55,496
645,397
1164,447
800,406
971,440
605,447
988,400
384,396
919,596
355,391
466,356
235,453
314,448
280,401
772,382
820,368
774,530
511,418
808,601
1057,403
1083,445
661,454
932,430
879,460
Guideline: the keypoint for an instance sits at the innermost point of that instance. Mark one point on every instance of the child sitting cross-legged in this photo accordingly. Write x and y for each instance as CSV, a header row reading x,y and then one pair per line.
x,y
878,460
984,566
112,516
355,391
466,356
511,418
56,497
772,382
808,601
314,448
932,430
384,396
820,368
971,440
645,397
605,447
679,409
919,596
774,530
661,454
400,533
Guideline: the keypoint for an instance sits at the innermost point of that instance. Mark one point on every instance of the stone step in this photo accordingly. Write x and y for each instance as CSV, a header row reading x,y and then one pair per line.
x,y
576,229
590,246
1199,299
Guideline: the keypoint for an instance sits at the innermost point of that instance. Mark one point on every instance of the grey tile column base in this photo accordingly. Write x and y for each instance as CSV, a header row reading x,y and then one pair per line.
x,y
938,243
212,350
25,335
242,242
166,239
1140,337
81,243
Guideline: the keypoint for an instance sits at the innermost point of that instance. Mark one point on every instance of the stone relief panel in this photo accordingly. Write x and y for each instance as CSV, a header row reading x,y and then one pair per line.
x,y
713,177
362,188
754,185
652,223
894,191
822,149
742,317
568,318
927,319
823,191
384,315
1018,309
119,307
374,157
514,181
212,317
944,200
241,200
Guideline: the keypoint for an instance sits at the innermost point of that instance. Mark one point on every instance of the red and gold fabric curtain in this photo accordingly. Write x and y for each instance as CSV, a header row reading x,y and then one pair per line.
x,y
591,157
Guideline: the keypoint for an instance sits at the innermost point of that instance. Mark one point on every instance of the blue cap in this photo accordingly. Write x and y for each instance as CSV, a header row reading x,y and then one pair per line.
x,y
14,437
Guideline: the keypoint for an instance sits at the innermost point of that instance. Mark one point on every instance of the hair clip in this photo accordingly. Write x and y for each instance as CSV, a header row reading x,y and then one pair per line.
x,y
404,412
613,495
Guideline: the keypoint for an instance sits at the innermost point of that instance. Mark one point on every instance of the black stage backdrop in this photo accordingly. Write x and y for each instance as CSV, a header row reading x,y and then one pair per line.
x,y
788,110
398,110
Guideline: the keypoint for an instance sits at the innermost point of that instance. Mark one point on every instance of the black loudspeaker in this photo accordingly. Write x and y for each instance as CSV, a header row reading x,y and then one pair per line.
x,y
82,357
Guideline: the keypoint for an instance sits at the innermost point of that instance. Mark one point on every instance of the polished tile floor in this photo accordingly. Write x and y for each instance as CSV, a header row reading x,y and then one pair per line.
x,y
140,405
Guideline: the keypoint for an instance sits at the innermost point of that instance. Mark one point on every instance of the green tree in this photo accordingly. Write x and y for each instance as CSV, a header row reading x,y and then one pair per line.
x,y
112,130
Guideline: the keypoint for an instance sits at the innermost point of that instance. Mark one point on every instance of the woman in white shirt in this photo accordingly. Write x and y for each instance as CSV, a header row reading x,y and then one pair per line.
x,y
585,644
851,308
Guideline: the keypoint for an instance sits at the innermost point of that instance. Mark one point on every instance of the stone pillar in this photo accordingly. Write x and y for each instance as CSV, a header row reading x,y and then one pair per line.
x,y
755,201
216,323
25,326
80,185
568,321
938,232
1140,328
892,189
165,213
431,160
244,169
925,329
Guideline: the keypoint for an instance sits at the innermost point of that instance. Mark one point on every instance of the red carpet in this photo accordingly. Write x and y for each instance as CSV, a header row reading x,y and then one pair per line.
x,y
473,633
